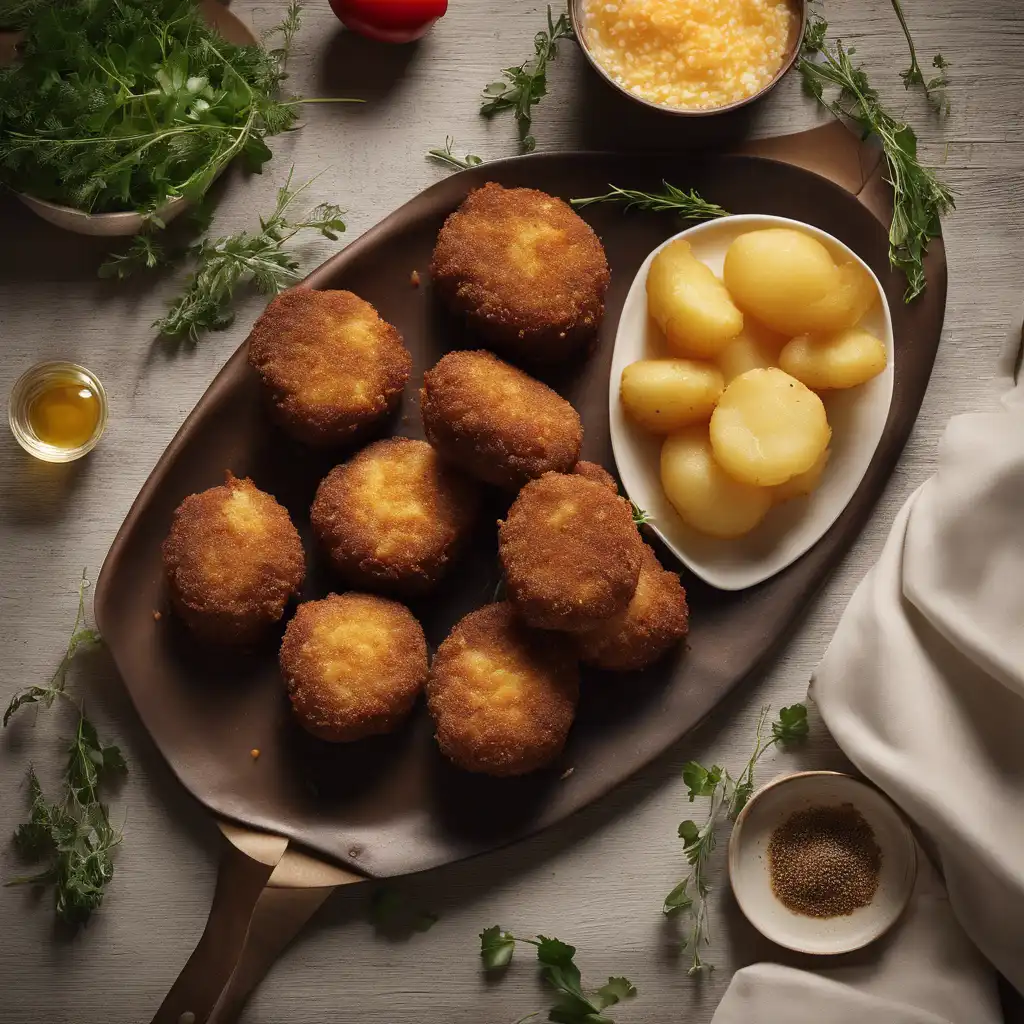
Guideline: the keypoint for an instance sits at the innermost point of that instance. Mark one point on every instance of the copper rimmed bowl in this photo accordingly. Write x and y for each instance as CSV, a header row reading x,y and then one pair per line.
x,y
577,12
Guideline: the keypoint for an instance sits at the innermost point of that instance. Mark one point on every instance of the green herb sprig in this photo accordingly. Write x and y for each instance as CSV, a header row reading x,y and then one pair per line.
x,y
527,84
728,797
573,1004
447,156
640,515
935,88
391,913
687,204
224,263
73,835
919,198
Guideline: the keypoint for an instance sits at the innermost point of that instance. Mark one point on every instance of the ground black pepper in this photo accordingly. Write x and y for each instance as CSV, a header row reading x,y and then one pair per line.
x,y
824,861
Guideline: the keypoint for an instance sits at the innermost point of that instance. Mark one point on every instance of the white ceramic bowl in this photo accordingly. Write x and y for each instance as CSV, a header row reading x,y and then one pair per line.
x,y
857,417
748,863
110,225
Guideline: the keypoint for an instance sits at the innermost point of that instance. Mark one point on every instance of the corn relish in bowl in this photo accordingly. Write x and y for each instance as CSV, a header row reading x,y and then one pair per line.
x,y
690,56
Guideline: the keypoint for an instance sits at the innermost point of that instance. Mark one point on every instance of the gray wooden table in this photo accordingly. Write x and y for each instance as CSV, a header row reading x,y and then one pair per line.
x,y
598,879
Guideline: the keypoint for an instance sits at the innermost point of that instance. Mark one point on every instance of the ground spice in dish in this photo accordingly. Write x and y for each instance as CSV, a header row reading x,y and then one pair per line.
x,y
824,861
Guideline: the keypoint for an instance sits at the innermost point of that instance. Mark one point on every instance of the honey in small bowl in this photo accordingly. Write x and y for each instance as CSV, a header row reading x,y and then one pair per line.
x,y
58,411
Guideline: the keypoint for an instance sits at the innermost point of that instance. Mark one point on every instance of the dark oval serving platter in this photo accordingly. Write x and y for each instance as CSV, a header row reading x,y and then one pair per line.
x,y
392,805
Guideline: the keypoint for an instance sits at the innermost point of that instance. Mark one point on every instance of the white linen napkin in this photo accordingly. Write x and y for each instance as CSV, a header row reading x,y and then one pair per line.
x,y
923,689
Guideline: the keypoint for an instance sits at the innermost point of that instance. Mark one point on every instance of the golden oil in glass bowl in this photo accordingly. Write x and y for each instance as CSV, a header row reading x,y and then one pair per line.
x,y
58,411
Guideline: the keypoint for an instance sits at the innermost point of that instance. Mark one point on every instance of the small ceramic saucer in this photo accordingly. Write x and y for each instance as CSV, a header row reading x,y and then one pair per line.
x,y
749,873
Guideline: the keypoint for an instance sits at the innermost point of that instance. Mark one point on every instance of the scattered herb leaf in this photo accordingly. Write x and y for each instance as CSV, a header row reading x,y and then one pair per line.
x,y
390,912
919,198
573,1005
640,516
935,88
223,264
526,85
72,835
728,797
687,204
287,29
446,156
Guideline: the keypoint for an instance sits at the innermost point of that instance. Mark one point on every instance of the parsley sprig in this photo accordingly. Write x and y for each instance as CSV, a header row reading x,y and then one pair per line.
x,y
919,198
728,797
527,84
224,263
73,835
447,156
573,1004
687,204
935,88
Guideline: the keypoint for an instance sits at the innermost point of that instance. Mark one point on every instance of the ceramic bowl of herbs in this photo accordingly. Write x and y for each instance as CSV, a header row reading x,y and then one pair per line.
x,y
115,114
821,862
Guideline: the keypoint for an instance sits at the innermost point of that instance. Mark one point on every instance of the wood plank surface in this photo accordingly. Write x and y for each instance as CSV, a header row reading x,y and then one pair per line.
x,y
598,879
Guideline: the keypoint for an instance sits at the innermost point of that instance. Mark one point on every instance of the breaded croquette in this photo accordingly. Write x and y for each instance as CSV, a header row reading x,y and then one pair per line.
x,y
233,560
331,366
502,696
393,516
570,552
496,422
655,620
354,665
527,272
600,475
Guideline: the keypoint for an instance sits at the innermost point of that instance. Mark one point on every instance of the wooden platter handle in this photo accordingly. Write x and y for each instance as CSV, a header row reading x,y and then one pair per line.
x,y
264,895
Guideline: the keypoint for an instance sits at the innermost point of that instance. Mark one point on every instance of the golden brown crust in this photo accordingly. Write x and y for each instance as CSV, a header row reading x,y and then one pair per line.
x,y
502,696
570,552
598,474
354,665
525,270
496,422
393,517
233,560
655,620
331,366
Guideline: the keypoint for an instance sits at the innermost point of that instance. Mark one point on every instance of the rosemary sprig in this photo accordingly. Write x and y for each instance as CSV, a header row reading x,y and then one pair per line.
x,y
728,797
935,88
74,834
687,204
919,198
261,257
446,156
527,84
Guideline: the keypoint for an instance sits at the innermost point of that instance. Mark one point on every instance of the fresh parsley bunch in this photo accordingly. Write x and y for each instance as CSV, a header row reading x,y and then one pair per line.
x,y
127,104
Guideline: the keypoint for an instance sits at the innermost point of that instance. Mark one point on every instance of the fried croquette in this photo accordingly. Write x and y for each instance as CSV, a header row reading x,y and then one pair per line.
x,y
496,422
655,620
570,552
502,696
233,560
393,517
600,475
354,665
331,366
527,272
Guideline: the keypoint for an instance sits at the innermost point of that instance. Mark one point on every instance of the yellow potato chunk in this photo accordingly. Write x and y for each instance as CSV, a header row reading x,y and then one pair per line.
x,y
703,494
802,484
789,281
842,360
665,395
754,348
690,304
768,427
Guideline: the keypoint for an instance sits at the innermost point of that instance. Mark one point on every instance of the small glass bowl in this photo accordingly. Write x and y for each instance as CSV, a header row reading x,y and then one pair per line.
x,y
36,380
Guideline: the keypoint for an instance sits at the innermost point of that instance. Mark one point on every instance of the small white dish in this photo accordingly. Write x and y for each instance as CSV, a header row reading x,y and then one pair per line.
x,y
857,416
749,873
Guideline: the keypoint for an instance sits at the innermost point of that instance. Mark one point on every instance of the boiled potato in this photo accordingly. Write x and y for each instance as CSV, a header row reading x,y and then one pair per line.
x,y
689,303
704,495
754,348
768,427
665,395
802,484
844,307
842,360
